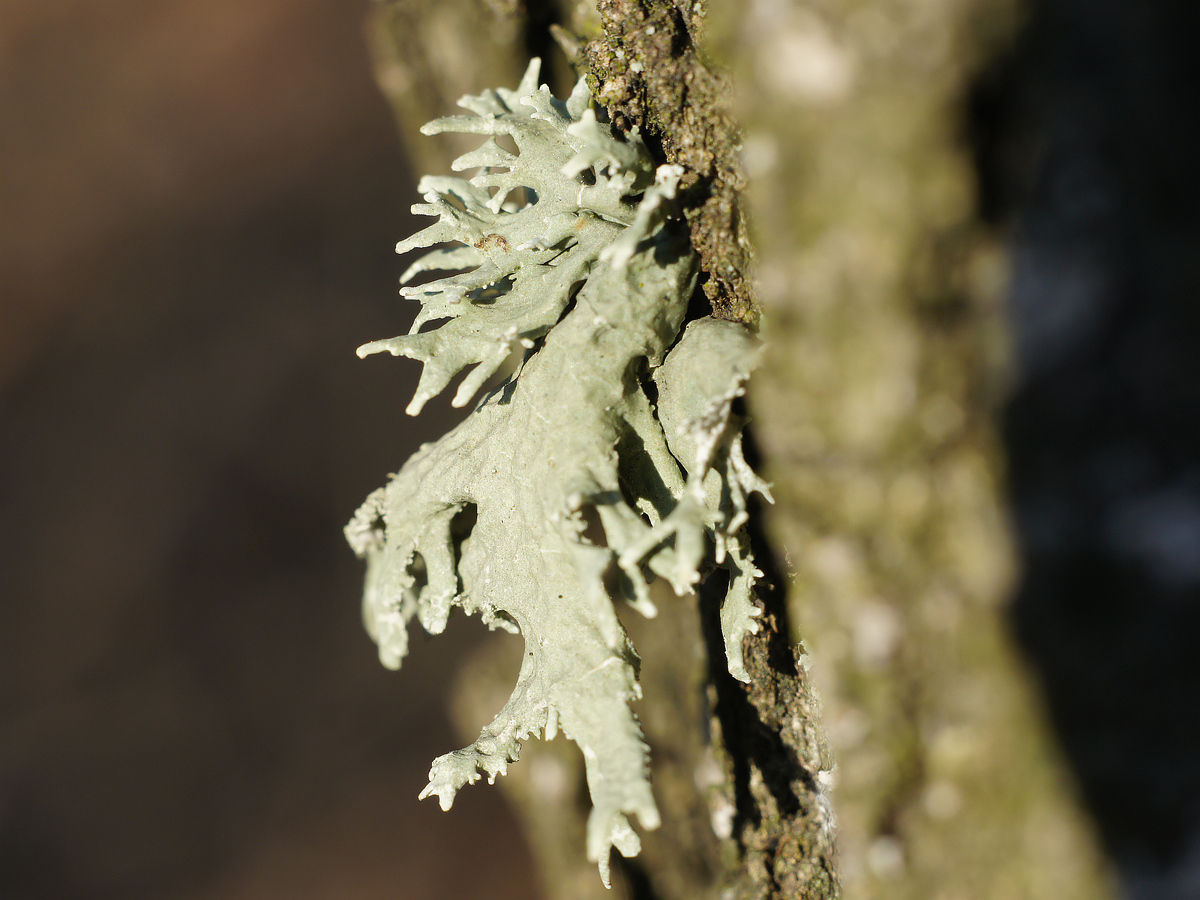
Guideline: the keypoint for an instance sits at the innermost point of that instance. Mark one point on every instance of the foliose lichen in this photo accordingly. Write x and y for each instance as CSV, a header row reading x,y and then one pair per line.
x,y
570,253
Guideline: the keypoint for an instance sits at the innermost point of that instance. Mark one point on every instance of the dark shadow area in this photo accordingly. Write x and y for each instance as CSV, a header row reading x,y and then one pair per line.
x,y
1087,138
633,875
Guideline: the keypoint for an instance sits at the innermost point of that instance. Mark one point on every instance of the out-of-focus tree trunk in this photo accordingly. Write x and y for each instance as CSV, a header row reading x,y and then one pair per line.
x,y
874,416
875,413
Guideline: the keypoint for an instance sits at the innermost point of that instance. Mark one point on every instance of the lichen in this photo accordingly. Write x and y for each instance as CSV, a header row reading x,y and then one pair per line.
x,y
571,253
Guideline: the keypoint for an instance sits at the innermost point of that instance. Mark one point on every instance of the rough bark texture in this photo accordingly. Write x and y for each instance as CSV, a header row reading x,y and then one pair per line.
x,y
777,768
875,415
648,71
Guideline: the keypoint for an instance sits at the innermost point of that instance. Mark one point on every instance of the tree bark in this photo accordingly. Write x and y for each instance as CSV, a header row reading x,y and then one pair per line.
x,y
874,414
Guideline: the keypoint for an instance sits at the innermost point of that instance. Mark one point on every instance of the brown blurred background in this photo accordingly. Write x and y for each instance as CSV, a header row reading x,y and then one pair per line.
x,y
198,202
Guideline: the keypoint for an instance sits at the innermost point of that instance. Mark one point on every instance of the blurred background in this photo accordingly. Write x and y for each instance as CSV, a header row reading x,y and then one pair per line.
x,y
198,204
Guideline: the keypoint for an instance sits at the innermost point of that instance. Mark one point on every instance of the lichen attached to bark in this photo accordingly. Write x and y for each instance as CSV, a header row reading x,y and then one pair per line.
x,y
574,258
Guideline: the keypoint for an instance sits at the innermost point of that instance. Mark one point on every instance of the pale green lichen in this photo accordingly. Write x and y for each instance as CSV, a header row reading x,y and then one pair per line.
x,y
572,257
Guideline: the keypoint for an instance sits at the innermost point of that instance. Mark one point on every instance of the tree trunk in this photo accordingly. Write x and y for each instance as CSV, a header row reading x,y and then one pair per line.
x,y
874,418
875,412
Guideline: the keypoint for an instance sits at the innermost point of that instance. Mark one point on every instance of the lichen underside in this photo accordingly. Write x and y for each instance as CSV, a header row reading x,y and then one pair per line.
x,y
569,252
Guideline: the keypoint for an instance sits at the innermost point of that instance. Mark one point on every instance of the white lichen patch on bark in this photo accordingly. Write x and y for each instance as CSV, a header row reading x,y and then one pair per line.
x,y
567,252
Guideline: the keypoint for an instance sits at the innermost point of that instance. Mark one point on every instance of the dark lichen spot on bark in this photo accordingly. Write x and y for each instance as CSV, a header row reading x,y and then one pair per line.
x,y
647,70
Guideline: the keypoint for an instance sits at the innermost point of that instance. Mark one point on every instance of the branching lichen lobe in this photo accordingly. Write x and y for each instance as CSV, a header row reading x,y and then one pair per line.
x,y
572,258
